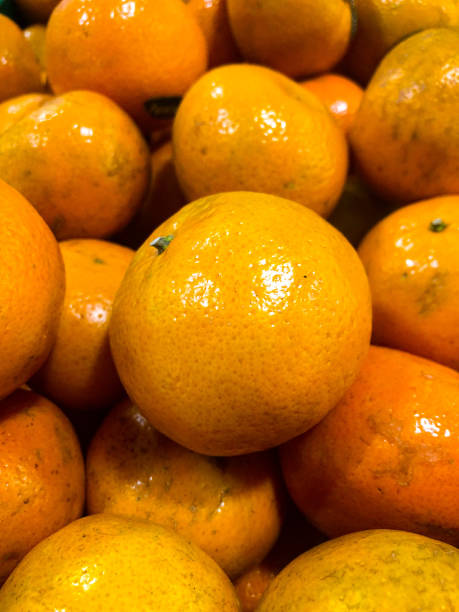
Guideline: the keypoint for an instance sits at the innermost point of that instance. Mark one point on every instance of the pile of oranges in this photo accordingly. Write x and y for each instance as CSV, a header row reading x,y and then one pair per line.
x,y
229,305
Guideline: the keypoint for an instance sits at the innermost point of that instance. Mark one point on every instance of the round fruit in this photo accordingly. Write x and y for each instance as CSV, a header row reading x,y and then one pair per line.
x,y
240,322
246,127
33,284
41,474
105,562
371,570
387,455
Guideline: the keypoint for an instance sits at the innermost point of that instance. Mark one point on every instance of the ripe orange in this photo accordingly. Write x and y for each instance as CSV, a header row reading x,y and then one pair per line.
x,y
404,136
79,374
105,562
147,49
296,37
412,261
81,161
240,322
19,69
340,95
41,474
36,36
246,127
381,24
212,17
371,570
231,507
387,455
32,289
13,109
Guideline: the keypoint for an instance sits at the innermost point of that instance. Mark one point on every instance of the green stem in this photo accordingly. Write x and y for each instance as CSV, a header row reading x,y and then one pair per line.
x,y
161,243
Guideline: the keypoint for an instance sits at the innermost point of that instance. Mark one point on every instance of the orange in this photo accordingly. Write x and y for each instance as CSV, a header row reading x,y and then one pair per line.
x,y
404,136
240,322
32,289
231,507
79,374
36,36
412,261
212,17
296,37
145,49
13,109
41,474
387,455
246,127
19,68
380,570
105,562
383,23
340,95
81,161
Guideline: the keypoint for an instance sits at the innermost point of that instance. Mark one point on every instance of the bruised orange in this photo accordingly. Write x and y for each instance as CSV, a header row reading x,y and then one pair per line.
x,y
32,289
231,507
79,373
144,49
240,322
412,261
42,486
81,161
246,127
387,455
19,68
106,562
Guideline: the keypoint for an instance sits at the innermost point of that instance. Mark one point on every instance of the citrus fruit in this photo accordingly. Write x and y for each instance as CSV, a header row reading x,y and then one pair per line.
x,y
240,322
386,456
246,127
116,563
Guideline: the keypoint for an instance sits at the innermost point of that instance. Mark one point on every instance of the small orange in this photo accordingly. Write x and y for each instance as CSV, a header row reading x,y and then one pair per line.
x,y
340,95
246,127
106,562
132,51
296,37
32,289
81,161
79,374
231,507
381,24
380,570
387,455
41,474
212,17
404,136
13,109
36,36
412,261
19,68
240,322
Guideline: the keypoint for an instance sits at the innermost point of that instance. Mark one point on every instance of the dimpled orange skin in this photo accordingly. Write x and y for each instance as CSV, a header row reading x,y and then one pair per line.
x,y
13,109
106,562
404,137
340,95
41,474
386,456
381,24
296,37
212,16
412,261
32,290
247,329
81,161
159,49
19,69
230,507
79,373
246,127
382,570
